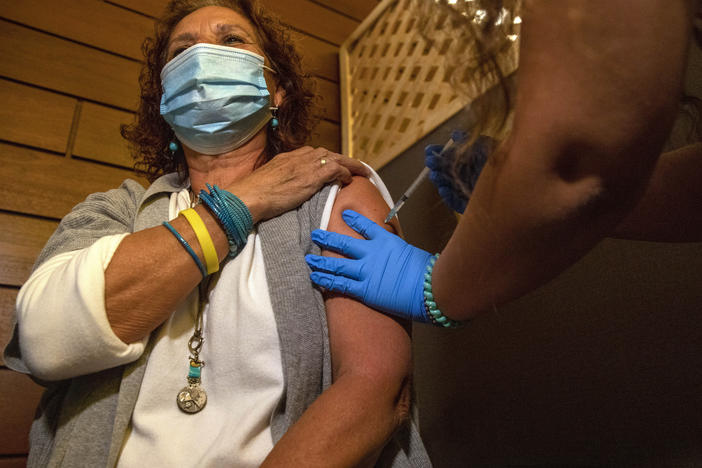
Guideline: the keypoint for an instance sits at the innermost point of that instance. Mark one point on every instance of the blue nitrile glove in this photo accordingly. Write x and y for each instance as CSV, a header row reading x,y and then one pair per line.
x,y
445,174
384,272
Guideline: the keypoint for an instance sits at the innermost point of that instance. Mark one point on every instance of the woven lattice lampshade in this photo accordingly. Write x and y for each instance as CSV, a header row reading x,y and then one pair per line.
x,y
395,87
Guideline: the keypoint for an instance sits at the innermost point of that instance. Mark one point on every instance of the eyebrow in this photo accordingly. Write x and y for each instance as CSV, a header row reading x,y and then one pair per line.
x,y
221,28
226,27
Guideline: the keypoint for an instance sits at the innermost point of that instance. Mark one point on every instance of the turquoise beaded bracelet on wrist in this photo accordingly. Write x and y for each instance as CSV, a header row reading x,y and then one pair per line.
x,y
432,310
187,247
232,214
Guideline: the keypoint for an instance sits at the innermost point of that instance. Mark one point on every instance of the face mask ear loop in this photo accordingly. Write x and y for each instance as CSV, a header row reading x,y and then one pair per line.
x,y
270,69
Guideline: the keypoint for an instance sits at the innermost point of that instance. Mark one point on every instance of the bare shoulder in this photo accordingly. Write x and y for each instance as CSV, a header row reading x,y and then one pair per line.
x,y
363,197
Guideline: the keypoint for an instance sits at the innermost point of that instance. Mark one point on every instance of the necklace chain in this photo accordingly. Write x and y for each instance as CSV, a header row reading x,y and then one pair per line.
x,y
194,198
193,398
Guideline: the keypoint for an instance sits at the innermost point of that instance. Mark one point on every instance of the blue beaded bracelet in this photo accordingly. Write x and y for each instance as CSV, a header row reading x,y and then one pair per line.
x,y
232,214
433,312
190,250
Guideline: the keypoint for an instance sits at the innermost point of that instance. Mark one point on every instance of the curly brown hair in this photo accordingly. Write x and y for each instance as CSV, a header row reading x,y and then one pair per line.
x,y
149,135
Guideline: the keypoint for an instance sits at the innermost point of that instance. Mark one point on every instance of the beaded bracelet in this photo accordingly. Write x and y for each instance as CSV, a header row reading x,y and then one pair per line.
x,y
190,250
232,214
433,312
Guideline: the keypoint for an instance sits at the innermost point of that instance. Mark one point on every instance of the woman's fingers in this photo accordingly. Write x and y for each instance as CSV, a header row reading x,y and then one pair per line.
x,y
337,166
354,166
293,177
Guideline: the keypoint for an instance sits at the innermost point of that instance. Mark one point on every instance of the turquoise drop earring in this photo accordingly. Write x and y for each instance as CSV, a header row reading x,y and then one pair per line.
x,y
274,120
173,147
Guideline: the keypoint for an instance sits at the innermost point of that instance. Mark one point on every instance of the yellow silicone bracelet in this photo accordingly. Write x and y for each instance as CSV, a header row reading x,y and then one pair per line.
x,y
203,237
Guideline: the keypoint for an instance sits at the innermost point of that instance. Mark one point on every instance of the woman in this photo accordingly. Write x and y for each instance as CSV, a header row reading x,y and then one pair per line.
x,y
599,84
145,367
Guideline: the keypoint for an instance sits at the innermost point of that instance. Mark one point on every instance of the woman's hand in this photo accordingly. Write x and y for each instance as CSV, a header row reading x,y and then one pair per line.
x,y
291,178
384,272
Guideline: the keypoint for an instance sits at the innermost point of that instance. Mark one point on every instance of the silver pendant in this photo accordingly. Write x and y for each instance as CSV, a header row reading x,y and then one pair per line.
x,y
192,398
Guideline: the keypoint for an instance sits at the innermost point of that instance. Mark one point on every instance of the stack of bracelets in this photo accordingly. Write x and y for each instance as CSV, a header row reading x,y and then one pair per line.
x,y
432,310
231,213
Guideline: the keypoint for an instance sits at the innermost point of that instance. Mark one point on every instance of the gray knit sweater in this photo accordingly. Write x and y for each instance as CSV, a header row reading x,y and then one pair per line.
x,y
82,421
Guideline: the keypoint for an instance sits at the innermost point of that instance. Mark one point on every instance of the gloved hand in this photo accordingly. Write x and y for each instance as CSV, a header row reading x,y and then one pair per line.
x,y
446,174
384,272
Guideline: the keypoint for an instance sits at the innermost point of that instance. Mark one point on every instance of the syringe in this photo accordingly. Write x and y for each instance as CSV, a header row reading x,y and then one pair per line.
x,y
456,136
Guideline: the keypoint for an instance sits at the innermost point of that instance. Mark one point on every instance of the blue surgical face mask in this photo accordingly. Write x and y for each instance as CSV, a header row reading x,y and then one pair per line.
x,y
215,97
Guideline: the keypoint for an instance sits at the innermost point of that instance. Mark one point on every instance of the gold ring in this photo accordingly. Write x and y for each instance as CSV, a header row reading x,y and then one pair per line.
x,y
322,162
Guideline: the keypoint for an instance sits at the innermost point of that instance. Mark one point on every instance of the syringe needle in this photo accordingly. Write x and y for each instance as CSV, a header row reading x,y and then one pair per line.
x,y
422,175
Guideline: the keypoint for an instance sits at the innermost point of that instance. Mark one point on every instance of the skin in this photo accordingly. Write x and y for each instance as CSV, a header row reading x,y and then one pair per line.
x,y
598,92
370,357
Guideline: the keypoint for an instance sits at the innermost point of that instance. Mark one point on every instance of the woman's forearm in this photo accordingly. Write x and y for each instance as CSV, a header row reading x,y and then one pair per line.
x,y
151,272
520,230
575,165
347,426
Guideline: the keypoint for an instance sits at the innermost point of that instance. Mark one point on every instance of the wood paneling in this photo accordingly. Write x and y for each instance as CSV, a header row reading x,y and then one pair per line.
x,y
57,184
357,9
8,296
117,30
21,240
152,8
328,105
13,462
318,57
61,65
303,15
98,135
326,134
97,23
35,117
18,402
312,19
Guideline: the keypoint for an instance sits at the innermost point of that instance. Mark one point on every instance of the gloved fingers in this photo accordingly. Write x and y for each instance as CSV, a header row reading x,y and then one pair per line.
x,y
338,243
363,225
338,284
455,199
459,136
471,169
337,266
447,194
439,178
431,157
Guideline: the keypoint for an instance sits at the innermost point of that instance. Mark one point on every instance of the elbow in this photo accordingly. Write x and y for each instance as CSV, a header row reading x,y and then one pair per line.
x,y
390,387
403,403
583,170
602,177
46,369
43,361
609,153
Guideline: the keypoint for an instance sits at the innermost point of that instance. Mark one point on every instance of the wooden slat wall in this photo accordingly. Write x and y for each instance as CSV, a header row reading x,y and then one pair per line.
x,y
68,79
